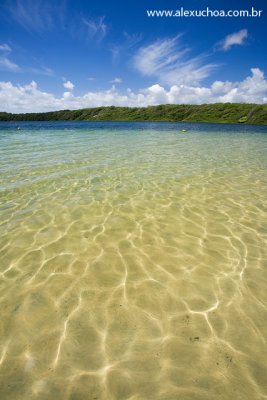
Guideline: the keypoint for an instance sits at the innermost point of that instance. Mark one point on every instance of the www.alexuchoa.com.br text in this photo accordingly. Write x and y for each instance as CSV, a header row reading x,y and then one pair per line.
x,y
204,13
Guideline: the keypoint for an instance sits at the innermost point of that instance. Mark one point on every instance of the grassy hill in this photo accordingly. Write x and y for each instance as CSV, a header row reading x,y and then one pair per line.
x,y
219,112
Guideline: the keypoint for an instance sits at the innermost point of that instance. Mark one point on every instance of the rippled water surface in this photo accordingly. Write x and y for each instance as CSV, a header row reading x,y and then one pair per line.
x,y
133,262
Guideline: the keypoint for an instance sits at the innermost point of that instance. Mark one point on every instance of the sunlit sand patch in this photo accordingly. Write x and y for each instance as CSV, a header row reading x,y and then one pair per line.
x,y
39,387
29,362
3,354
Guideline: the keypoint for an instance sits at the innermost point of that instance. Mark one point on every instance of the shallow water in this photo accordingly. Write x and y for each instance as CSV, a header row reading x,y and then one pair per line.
x,y
133,261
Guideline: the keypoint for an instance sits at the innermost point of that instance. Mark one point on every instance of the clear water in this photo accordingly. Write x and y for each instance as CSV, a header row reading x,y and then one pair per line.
x,y
133,261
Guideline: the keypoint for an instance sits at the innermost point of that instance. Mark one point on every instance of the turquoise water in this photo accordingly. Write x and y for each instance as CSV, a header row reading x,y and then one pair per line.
x,y
133,261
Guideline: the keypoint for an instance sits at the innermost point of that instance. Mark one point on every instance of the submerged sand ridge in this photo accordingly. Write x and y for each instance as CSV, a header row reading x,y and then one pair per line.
x,y
133,265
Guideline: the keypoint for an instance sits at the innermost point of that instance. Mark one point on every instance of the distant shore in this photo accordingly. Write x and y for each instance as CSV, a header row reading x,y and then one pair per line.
x,y
218,113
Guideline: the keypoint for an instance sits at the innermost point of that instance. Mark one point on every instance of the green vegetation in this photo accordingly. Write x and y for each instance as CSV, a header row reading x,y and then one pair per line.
x,y
219,112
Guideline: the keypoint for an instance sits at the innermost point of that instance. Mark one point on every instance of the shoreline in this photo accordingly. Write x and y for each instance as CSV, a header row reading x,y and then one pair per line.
x,y
222,113
263,124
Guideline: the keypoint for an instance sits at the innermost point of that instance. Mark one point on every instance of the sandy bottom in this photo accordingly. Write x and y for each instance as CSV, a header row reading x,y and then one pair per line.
x,y
133,270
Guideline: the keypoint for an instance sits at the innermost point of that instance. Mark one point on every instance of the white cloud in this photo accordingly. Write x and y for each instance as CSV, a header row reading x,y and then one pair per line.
x,y
29,98
116,80
40,70
69,85
253,89
168,61
36,15
97,28
7,65
5,47
236,38
67,95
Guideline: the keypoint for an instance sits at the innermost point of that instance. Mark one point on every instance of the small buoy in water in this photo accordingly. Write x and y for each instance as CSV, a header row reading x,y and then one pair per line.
x,y
184,130
18,128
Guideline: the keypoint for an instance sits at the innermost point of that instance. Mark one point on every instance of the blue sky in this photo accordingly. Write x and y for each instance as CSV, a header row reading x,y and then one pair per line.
x,y
73,53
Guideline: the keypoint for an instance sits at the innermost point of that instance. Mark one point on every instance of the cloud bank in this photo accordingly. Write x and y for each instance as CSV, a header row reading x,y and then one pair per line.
x,y
29,98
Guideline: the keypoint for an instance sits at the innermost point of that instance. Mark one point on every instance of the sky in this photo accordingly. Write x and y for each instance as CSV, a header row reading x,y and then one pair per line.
x,y
70,54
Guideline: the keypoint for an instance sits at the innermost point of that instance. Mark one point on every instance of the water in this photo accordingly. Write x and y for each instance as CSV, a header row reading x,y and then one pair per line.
x,y
133,261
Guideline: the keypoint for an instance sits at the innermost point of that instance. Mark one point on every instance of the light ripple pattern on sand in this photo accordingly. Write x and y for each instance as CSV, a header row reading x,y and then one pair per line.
x,y
133,262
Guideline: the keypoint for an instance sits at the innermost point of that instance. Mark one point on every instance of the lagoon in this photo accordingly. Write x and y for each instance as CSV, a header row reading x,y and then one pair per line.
x,y
133,261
